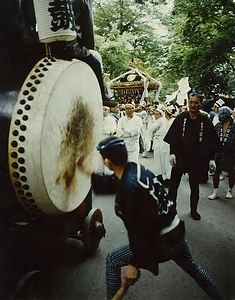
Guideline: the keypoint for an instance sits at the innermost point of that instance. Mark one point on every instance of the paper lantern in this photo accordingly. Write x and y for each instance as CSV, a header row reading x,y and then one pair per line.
x,y
55,20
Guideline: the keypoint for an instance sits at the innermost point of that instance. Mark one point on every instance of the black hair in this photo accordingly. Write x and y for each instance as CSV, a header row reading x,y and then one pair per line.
x,y
117,153
197,95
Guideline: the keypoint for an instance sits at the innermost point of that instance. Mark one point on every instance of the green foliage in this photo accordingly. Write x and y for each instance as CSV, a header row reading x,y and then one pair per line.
x,y
203,44
115,55
123,35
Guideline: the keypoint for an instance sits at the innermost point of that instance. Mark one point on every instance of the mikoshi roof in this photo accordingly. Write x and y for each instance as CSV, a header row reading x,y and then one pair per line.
x,y
134,82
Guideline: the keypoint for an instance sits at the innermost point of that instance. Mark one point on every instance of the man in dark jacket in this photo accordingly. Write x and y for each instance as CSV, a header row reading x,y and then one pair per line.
x,y
155,232
193,143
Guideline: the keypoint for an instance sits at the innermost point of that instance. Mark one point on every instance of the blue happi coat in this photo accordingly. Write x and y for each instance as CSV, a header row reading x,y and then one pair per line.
x,y
145,208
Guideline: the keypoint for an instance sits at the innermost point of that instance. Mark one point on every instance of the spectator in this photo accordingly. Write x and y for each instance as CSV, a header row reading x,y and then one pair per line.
x,y
109,124
155,232
169,116
115,111
109,128
147,123
158,130
225,158
129,128
141,112
219,103
193,142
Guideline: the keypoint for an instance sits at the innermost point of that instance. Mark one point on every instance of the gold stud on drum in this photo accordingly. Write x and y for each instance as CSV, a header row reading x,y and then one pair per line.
x,y
55,127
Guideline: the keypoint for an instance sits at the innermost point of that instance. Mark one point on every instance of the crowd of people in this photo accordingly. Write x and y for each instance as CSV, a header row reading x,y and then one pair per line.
x,y
155,232
181,140
177,139
185,141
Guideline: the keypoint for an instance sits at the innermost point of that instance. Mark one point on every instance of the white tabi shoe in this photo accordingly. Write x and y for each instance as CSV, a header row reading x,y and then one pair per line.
x,y
229,195
213,196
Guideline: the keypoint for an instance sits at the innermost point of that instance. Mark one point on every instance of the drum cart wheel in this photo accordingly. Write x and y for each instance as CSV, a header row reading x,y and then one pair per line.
x,y
92,231
30,286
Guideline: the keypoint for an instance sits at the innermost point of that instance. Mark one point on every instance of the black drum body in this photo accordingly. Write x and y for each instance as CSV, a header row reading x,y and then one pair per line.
x,y
10,208
19,52
50,123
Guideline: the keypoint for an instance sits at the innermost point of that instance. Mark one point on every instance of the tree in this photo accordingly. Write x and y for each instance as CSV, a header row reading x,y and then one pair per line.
x,y
203,45
123,34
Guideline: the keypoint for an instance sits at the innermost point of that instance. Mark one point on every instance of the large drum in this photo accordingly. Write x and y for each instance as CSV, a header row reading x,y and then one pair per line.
x,y
50,123
56,124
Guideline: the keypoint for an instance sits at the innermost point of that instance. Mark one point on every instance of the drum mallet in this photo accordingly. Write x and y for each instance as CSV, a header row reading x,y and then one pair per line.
x,y
123,289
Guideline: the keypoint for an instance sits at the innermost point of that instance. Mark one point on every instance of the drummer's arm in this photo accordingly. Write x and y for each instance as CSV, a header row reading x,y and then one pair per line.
x,y
86,164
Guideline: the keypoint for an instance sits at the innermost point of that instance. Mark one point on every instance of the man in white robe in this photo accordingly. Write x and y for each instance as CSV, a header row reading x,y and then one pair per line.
x,y
129,128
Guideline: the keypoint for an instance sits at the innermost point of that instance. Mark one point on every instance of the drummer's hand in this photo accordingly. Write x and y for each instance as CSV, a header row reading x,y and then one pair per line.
x,y
131,274
86,164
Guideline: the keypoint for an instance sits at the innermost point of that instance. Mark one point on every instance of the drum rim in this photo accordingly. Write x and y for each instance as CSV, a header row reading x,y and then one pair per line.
x,y
23,191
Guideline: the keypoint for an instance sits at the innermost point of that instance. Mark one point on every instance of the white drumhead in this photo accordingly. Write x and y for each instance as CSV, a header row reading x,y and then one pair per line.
x,y
55,127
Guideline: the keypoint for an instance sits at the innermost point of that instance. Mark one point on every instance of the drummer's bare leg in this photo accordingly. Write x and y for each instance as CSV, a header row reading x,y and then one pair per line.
x,y
116,259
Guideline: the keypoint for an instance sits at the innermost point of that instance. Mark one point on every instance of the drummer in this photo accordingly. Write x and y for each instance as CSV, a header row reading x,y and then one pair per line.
x,y
155,232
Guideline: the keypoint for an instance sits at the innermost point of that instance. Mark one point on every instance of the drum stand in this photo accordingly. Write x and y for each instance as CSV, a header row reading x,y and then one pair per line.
x,y
33,266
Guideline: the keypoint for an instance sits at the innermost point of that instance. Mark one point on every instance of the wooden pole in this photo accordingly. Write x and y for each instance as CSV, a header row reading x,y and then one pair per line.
x,y
123,290
48,49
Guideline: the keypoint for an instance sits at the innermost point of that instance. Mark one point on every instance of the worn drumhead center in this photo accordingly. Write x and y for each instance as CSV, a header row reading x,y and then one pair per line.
x,y
55,127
